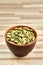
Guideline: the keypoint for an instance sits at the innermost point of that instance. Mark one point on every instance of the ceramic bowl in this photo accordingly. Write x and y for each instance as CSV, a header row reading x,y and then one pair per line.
x,y
21,50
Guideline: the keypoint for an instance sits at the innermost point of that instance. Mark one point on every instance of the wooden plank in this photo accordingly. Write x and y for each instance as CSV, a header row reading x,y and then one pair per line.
x,y
20,21
18,62
2,4
29,56
12,18
21,1
38,27
32,5
20,15
13,9
21,5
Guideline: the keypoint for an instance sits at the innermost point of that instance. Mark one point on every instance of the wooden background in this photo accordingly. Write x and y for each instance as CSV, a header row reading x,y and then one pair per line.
x,y
21,12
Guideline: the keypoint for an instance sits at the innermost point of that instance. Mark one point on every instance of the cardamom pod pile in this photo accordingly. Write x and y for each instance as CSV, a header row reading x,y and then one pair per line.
x,y
20,35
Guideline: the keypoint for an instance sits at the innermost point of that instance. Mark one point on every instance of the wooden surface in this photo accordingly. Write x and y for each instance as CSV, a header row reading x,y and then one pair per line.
x,y
21,12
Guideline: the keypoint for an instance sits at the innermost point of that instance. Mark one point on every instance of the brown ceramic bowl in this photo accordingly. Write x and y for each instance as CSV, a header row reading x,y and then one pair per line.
x,y
21,50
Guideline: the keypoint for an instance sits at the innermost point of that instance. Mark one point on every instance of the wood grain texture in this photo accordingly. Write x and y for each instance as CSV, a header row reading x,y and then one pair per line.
x,y
21,12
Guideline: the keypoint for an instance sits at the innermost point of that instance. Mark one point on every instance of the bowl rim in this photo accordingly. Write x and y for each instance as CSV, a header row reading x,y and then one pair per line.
x,y
21,26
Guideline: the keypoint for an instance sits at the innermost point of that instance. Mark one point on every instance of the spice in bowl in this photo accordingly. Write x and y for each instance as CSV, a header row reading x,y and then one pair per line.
x,y
20,35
